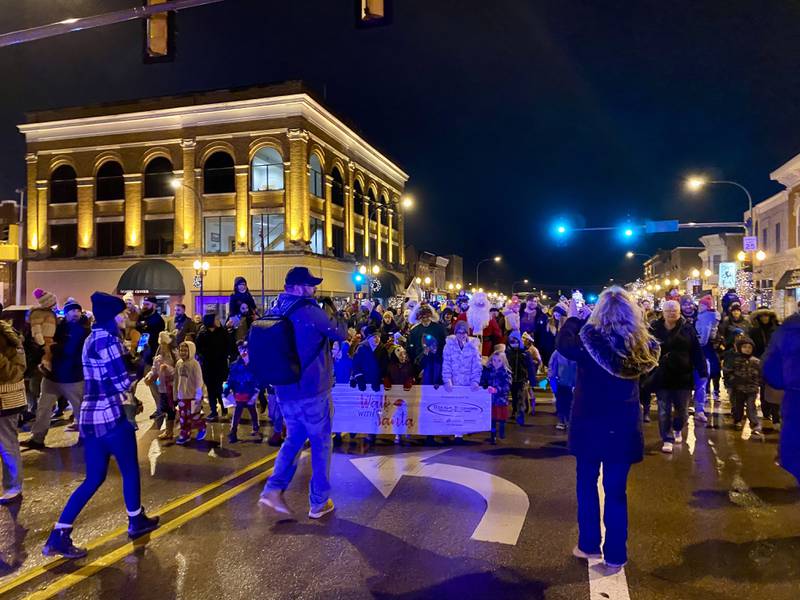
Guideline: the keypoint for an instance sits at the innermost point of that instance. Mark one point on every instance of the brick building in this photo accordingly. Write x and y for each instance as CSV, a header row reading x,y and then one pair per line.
x,y
130,195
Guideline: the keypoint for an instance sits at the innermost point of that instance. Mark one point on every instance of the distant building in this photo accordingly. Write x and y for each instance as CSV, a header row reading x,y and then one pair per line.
x,y
444,272
673,265
718,248
126,197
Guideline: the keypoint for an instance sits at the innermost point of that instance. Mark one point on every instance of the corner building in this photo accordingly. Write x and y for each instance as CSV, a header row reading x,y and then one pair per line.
x,y
126,197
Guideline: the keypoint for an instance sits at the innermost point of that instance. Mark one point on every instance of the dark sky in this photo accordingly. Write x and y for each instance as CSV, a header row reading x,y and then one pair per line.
x,y
505,113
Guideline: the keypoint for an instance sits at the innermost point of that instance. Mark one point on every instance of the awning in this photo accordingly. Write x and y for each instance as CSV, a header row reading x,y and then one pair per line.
x,y
386,285
155,277
789,280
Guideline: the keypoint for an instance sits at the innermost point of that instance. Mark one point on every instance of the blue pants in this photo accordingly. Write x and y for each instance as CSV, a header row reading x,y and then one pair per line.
x,y
307,419
615,517
120,443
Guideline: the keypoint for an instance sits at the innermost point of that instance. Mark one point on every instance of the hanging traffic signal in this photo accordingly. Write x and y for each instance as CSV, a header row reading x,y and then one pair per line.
x,y
159,39
358,280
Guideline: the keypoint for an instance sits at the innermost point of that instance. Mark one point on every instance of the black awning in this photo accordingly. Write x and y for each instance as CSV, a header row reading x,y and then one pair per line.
x,y
789,280
390,285
156,277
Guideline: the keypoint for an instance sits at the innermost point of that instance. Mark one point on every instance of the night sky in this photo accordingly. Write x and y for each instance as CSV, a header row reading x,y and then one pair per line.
x,y
505,113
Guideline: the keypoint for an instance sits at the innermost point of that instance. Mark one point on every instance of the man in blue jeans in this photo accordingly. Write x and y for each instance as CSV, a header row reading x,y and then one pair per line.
x,y
306,405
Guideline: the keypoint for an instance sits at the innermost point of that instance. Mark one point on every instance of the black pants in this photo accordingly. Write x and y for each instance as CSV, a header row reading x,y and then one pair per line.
x,y
237,415
517,396
214,387
166,406
769,410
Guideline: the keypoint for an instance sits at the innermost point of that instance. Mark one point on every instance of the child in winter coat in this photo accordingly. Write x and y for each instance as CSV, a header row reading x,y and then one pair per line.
x,y
562,374
400,370
342,362
244,388
367,369
496,378
743,376
429,363
189,392
523,373
162,375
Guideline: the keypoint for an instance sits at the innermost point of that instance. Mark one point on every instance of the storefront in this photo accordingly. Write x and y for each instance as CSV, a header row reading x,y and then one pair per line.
x,y
788,286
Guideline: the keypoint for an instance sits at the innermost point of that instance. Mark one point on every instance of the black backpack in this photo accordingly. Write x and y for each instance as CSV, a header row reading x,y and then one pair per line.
x,y
272,346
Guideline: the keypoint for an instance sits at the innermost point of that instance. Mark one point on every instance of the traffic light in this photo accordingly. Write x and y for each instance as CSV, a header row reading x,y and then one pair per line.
x,y
159,38
358,280
373,13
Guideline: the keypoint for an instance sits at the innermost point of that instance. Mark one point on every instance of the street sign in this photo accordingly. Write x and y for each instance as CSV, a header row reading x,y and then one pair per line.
x,y
727,275
750,243
661,226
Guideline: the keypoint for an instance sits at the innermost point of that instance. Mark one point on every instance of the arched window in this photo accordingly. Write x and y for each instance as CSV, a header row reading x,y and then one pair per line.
x,y
358,198
315,177
266,171
219,176
110,182
371,198
385,206
337,191
63,185
158,177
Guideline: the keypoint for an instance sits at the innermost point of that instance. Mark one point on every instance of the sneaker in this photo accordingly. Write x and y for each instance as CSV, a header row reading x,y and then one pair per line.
x,y
756,433
201,435
10,497
182,441
257,437
560,426
320,512
212,418
690,410
613,567
59,543
33,444
232,439
738,426
666,447
274,499
646,418
140,525
578,553
701,417
678,437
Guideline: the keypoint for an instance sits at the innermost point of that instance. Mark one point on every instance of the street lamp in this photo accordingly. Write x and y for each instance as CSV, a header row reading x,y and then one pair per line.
x,y
707,273
496,259
201,270
407,202
696,183
761,255
695,273
741,256
525,281
376,270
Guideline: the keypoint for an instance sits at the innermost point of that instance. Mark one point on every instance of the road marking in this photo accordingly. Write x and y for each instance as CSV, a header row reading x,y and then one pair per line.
x,y
506,503
102,540
114,556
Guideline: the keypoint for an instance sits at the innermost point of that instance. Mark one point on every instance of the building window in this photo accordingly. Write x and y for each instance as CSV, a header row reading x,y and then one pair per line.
x,y
317,236
266,171
764,238
715,262
63,185
158,178
110,182
337,191
110,238
384,210
337,233
384,251
358,239
358,199
158,236
372,252
272,227
220,235
219,176
777,238
63,240
315,177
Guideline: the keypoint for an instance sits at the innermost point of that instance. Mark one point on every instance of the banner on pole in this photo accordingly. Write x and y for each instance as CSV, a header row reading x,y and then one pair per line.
x,y
422,410
727,275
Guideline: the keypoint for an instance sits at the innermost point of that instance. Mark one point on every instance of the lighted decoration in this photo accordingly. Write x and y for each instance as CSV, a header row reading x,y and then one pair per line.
x,y
744,287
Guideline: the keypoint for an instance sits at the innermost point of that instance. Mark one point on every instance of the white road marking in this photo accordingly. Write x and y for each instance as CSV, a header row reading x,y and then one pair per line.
x,y
506,503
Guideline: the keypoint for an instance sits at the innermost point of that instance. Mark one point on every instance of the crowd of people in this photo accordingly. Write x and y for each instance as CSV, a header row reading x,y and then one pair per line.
x,y
603,364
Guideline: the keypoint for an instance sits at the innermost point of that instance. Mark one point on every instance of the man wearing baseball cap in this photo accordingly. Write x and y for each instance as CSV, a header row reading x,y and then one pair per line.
x,y
306,405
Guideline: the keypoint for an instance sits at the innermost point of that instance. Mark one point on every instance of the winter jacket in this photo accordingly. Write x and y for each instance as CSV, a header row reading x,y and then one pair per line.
x,y
43,328
760,333
189,377
238,298
743,373
314,330
429,367
681,354
163,371
12,372
533,323
419,332
499,379
606,420
706,325
343,367
185,327
399,373
730,329
781,369
33,356
562,370
366,368
66,362
523,368
214,347
241,379
461,366
152,323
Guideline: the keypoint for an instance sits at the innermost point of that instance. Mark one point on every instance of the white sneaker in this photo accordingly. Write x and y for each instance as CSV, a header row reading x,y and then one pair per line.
x,y
326,508
666,448
578,553
701,417
678,437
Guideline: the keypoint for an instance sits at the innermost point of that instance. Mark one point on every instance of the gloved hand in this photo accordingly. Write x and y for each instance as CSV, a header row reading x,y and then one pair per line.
x,y
376,387
352,382
362,387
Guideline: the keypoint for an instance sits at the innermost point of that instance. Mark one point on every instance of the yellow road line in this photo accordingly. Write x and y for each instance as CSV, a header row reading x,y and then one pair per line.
x,y
116,555
97,542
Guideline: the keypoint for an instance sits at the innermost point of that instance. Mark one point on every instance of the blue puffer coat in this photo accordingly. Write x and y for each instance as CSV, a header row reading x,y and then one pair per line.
x,y
781,369
606,421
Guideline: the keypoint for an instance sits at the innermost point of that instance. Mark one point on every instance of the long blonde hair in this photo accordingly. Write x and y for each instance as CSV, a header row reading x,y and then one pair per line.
x,y
617,313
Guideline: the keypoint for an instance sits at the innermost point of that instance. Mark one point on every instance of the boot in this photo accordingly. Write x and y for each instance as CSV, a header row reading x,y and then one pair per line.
x,y
141,524
159,421
59,542
169,432
275,440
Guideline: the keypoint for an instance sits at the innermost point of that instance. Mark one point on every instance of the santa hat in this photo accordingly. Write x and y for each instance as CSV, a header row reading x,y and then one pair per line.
x,y
45,299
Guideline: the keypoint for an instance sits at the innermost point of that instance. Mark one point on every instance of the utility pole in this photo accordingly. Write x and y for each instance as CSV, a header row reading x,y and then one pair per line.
x,y
22,236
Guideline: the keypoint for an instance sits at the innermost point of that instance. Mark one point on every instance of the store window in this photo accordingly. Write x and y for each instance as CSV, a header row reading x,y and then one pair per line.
x,y
159,236
266,171
110,238
220,235
271,227
63,240
317,236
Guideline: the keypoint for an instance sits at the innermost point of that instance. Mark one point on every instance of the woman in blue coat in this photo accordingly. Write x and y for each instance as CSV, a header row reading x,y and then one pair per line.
x,y
613,349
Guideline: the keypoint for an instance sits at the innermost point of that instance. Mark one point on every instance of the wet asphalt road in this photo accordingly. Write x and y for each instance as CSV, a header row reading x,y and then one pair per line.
x,y
716,520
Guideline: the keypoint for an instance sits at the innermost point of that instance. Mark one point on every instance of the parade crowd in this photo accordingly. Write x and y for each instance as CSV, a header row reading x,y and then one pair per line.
x,y
690,353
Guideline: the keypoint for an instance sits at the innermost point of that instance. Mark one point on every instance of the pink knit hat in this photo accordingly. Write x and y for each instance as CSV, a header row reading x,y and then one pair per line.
x,y
707,301
45,299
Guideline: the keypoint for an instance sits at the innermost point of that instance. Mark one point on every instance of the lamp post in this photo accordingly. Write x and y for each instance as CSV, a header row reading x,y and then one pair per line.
x,y
201,270
525,281
695,184
496,259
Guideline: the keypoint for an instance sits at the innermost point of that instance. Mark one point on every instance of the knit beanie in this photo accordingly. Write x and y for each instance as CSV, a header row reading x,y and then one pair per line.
x,y
45,299
105,307
461,325
209,320
72,304
708,302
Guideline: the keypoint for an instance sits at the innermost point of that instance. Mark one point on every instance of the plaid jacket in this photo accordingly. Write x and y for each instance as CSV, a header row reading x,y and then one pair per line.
x,y
106,384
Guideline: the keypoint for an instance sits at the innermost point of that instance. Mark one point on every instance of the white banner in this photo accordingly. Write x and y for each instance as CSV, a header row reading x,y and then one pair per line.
x,y
423,410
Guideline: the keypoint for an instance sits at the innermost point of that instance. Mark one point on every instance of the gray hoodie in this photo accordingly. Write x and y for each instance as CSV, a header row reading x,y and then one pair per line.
x,y
314,330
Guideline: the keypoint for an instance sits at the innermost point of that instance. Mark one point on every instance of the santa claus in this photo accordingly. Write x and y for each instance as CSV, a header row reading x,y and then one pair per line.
x,y
481,323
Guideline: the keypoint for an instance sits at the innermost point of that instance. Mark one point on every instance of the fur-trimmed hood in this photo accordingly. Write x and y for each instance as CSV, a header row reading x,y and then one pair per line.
x,y
610,353
756,314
